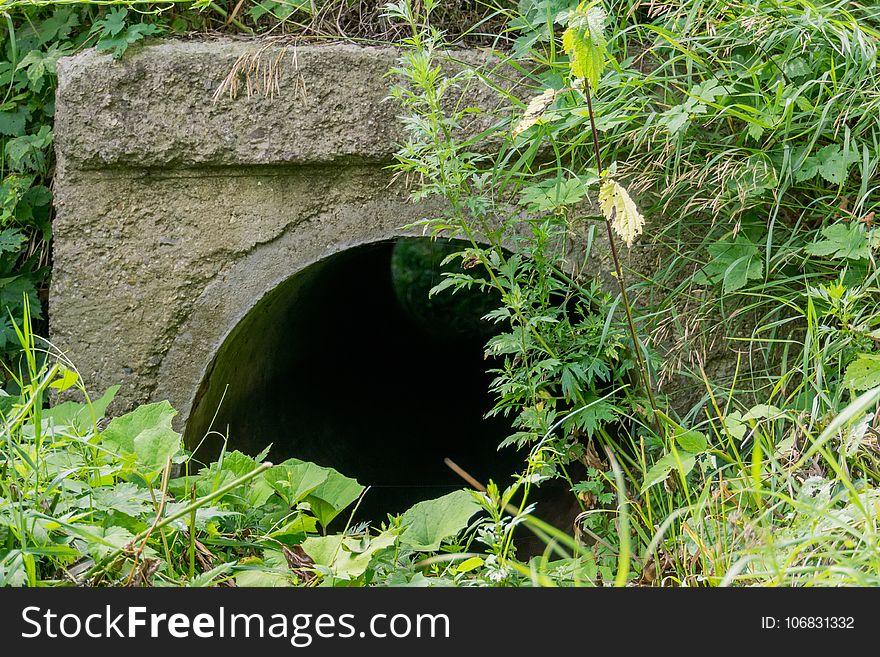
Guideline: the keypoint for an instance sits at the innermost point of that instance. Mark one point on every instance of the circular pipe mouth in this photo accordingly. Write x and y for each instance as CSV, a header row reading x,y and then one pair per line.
x,y
349,364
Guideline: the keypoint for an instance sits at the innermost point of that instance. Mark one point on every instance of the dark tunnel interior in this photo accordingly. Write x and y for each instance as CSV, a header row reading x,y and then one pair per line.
x,y
350,365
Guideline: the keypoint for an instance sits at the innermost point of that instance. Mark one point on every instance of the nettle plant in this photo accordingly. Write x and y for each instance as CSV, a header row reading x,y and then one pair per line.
x,y
567,368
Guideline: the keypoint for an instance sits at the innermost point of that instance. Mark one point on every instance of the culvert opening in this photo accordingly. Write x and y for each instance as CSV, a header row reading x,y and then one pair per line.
x,y
348,364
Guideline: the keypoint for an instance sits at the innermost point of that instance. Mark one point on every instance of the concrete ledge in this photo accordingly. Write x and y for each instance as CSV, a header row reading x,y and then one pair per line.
x,y
157,108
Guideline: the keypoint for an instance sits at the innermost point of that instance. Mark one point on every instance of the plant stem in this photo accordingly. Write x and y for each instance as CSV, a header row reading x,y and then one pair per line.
x,y
233,20
643,368
192,534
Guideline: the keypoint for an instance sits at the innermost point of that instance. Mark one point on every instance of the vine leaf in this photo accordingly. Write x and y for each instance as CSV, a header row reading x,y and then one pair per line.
x,y
621,211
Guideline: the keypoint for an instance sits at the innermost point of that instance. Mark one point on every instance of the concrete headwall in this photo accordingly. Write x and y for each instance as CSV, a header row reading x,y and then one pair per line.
x,y
179,208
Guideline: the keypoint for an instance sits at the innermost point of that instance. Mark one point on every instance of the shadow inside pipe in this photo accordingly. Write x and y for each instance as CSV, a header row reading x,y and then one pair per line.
x,y
349,365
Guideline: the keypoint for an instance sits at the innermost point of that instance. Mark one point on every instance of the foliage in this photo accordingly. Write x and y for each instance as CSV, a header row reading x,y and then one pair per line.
x,y
115,34
84,505
754,126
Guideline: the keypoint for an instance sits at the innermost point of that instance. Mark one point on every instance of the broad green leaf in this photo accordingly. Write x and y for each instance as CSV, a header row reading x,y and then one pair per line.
x,y
323,549
554,193
125,498
735,425
427,523
145,432
101,541
114,22
863,373
736,275
275,559
12,124
732,263
675,118
116,36
234,464
755,131
842,242
347,556
358,553
11,240
831,162
796,67
327,492
294,481
292,533
692,441
262,579
584,41
331,497
58,26
763,412
804,104
752,177
666,464
708,91
77,415
28,152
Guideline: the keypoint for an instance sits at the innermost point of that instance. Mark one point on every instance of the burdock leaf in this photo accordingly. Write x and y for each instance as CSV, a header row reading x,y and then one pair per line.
x,y
621,211
427,523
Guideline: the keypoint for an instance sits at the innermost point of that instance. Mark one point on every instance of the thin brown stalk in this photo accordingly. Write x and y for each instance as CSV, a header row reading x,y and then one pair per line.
x,y
643,368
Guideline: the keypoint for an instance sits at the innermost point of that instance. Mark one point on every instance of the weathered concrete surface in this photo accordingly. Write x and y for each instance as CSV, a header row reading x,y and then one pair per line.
x,y
176,214
157,108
